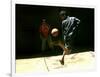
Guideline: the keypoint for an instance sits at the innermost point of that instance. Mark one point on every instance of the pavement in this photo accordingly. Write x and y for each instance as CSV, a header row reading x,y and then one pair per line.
x,y
74,62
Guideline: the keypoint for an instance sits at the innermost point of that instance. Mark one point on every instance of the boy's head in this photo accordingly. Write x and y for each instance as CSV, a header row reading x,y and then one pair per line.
x,y
62,14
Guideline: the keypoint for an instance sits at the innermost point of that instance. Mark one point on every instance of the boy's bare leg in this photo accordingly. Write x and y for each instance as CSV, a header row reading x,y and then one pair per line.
x,y
65,51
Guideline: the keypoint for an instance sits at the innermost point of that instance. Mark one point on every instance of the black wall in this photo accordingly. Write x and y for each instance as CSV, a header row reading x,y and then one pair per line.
x,y
28,20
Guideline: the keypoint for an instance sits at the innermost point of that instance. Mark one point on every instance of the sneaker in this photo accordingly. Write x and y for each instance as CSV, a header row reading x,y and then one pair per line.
x,y
62,62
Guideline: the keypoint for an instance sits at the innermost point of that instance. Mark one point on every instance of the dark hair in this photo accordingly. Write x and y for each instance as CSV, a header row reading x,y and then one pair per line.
x,y
63,13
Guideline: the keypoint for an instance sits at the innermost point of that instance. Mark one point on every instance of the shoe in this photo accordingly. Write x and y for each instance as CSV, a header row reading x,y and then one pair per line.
x,y
62,62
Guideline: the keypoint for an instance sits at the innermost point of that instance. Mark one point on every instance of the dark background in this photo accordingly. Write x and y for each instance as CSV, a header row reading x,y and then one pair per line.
x,y
28,20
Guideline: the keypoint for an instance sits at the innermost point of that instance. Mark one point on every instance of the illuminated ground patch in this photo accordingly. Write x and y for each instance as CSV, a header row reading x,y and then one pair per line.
x,y
73,62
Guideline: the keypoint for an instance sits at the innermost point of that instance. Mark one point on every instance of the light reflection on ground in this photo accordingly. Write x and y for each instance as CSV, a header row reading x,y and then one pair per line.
x,y
73,62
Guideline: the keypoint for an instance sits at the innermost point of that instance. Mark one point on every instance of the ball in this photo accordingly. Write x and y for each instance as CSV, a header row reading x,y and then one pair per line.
x,y
54,32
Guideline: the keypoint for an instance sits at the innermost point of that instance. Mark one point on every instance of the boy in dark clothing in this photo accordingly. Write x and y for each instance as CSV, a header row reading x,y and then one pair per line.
x,y
69,25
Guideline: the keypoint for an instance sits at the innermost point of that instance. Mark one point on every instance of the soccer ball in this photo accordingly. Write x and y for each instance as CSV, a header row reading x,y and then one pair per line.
x,y
54,32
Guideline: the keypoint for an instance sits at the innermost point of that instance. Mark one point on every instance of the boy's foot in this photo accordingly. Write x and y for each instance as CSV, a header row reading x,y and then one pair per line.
x,y
62,62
